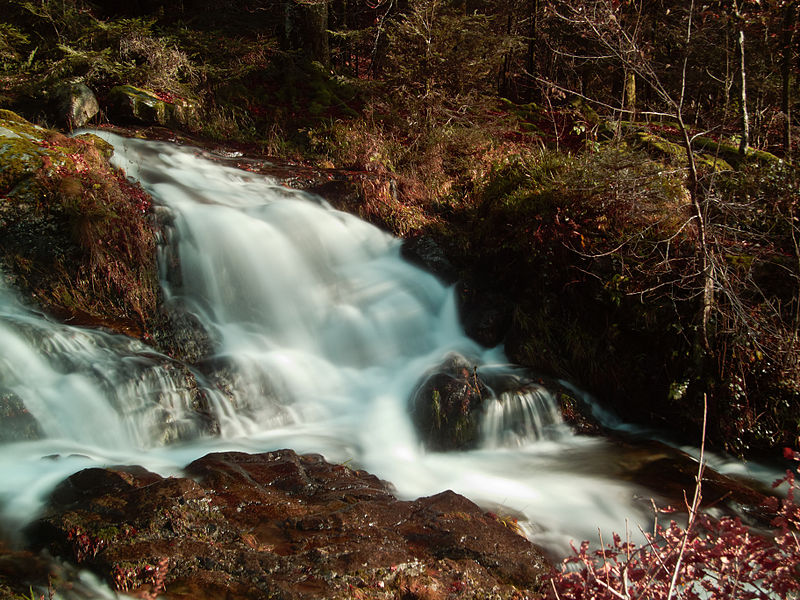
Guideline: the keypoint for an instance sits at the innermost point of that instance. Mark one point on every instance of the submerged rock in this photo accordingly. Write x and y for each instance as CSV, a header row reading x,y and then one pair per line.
x,y
16,423
283,526
458,406
21,571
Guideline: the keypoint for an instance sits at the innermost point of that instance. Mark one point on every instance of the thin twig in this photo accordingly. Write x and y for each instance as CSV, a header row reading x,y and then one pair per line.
x,y
698,495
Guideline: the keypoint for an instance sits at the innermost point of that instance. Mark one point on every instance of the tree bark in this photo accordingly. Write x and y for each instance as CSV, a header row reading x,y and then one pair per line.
x,y
530,55
629,102
306,29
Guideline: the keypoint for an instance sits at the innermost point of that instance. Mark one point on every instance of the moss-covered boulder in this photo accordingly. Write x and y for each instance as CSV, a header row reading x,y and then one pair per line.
x,y
447,405
74,232
129,103
730,153
663,148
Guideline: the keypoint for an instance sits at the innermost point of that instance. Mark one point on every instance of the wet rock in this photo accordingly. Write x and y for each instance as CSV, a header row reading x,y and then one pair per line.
x,y
457,406
575,411
446,406
21,571
16,423
181,335
249,389
673,474
129,103
279,525
73,104
424,252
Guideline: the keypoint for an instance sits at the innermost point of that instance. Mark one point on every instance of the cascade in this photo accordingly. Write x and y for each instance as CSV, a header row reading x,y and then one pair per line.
x,y
321,332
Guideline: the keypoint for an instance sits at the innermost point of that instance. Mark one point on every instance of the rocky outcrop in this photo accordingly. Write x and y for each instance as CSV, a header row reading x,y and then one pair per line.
x,y
283,526
74,232
424,252
486,314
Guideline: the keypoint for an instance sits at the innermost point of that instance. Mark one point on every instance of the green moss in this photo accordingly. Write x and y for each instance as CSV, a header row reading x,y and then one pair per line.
x,y
133,102
436,404
712,162
659,145
728,152
21,153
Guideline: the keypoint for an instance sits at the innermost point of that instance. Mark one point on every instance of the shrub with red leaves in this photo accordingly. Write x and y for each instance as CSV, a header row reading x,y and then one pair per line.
x,y
708,559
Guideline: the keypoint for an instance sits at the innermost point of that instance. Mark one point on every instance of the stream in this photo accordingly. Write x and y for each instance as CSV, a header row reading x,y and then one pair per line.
x,y
324,331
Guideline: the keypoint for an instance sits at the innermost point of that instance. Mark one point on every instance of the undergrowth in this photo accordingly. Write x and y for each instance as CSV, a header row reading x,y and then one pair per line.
x,y
711,558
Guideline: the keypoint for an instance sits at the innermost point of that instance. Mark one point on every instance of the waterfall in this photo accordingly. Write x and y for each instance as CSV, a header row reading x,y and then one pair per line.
x,y
521,416
89,387
320,333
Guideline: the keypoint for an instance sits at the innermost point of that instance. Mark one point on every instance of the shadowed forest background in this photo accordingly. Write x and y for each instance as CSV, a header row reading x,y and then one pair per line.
x,y
615,178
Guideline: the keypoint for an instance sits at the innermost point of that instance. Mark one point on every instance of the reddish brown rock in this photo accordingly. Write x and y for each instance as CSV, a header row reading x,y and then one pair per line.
x,y
279,525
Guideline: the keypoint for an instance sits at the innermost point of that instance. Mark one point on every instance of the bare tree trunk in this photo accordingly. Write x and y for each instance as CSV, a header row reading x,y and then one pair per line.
x,y
743,145
504,83
530,56
629,96
787,41
697,199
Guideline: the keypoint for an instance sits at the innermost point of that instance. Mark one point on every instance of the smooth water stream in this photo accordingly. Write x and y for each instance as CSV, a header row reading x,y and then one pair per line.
x,y
326,331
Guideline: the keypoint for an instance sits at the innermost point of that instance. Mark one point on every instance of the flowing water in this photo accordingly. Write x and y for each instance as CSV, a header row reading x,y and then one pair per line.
x,y
324,330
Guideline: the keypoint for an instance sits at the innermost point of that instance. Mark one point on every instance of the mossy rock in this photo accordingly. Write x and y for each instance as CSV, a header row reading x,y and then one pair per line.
x,y
663,148
712,162
21,151
447,404
74,233
130,103
105,149
659,146
762,157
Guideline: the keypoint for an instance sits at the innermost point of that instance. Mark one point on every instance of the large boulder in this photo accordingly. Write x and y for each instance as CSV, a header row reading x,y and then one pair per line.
x,y
282,526
130,103
456,405
73,105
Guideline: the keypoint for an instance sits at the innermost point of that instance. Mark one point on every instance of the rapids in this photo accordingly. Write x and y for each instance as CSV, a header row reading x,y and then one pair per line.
x,y
326,329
